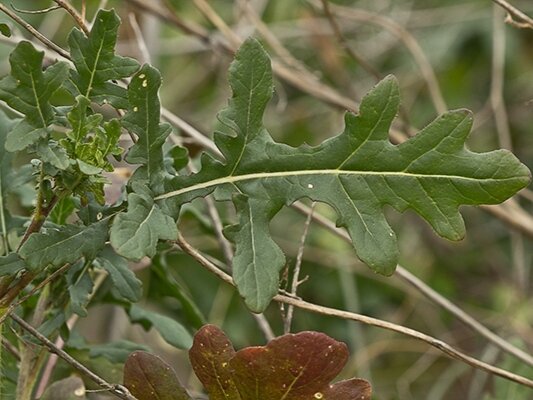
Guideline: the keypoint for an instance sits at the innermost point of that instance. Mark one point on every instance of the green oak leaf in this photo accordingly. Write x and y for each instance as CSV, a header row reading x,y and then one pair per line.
x,y
28,90
11,264
172,331
357,172
80,286
123,278
96,63
64,245
142,119
134,234
5,30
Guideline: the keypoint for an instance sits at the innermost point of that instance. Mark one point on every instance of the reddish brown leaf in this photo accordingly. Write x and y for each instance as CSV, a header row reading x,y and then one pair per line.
x,y
291,367
150,378
210,355
352,389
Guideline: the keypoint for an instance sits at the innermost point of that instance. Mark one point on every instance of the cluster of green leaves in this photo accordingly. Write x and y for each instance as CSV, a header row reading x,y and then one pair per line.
x,y
71,148
292,367
358,172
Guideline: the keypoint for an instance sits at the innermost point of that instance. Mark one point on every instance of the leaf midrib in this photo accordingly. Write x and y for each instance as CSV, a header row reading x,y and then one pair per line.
x,y
37,103
335,172
95,66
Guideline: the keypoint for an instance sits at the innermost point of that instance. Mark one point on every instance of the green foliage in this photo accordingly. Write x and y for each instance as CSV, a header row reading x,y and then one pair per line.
x,y
124,280
357,172
57,155
172,331
64,245
135,233
28,90
96,63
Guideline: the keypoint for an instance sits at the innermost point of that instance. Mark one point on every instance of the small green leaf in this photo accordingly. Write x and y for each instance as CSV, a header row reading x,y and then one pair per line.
x,y
5,30
63,209
96,63
11,264
64,245
143,120
28,90
172,331
56,155
135,233
116,351
162,283
80,287
124,280
81,123
148,377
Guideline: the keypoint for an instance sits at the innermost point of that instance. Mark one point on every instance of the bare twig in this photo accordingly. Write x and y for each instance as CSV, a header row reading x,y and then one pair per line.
x,y
43,39
497,80
80,21
118,390
42,11
287,320
432,341
431,294
141,43
403,35
344,42
524,20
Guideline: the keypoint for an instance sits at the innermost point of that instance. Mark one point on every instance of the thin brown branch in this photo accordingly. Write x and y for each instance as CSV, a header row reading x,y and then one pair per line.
x,y
117,390
315,88
42,11
524,21
431,294
287,320
405,37
344,42
38,35
141,43
80,21
430,340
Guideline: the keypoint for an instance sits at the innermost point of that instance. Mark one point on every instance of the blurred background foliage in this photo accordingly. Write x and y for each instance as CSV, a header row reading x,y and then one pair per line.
x,y
488,274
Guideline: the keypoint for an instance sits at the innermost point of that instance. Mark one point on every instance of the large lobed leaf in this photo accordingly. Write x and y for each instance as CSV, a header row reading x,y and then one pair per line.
x,y
357,172
96,63
291,367
28,90
64,245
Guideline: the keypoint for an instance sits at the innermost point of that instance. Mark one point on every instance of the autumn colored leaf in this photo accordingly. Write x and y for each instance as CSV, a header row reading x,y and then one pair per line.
x,y
148,377
291,367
